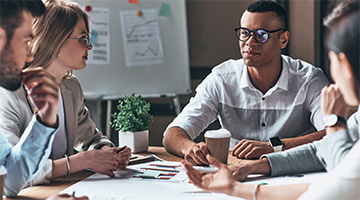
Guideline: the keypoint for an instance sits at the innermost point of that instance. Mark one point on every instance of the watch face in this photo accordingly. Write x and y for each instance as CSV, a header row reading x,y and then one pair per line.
x,y
331,120
275,141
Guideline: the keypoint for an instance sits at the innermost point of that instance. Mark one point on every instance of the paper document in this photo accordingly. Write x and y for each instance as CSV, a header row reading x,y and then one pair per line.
x,y
163,181
128,184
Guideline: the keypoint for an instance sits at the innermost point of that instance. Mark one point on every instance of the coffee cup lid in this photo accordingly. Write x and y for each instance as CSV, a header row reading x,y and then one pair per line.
x,y
221,133
2,170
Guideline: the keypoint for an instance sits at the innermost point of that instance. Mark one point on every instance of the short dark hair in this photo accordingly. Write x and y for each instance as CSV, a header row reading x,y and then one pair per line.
x,y
343,33
11,16
270,6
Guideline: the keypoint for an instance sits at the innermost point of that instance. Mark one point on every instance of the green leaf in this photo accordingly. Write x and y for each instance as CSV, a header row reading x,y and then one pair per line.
x,y
133,114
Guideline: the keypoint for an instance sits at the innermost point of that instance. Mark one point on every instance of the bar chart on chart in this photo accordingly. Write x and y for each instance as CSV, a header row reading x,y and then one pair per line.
x,y
141,38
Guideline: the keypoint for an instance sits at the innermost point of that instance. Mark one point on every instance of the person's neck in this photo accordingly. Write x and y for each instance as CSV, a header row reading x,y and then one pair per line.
x,y
55,69
265,77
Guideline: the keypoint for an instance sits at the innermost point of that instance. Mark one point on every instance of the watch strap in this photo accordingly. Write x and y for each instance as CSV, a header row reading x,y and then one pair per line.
x,y
341,119
278,148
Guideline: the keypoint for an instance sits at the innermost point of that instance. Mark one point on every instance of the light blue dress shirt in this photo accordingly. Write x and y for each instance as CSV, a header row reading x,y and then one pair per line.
x,y
24,160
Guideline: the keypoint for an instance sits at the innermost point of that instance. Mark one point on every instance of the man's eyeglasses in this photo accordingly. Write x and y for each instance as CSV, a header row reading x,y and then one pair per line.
x,y
261,35
85,40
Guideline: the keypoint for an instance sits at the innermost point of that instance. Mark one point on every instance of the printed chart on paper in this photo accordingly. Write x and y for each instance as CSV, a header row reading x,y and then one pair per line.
x,y
141,38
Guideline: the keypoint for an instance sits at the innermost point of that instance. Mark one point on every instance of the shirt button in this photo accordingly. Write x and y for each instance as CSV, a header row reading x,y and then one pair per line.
x,y
263,98
263,124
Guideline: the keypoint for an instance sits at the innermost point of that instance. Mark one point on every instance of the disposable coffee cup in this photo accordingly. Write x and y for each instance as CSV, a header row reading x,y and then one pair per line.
x,y
2,180
217,142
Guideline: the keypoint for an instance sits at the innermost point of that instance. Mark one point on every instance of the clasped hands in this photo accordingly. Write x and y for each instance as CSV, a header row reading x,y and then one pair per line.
x,y
245,149
197,154
107,160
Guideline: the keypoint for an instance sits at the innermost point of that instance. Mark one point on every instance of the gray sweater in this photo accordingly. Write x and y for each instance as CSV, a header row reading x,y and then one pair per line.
x,y
321,155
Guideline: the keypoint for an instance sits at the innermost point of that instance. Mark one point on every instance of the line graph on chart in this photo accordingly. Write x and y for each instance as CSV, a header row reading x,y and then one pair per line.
x,y
141,37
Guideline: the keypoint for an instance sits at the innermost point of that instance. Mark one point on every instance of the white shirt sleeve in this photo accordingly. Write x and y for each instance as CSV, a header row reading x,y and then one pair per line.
x,y
202,108
315,85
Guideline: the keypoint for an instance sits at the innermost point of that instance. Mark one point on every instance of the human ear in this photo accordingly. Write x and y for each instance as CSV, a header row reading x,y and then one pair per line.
x,y
2,39
345,64
284,39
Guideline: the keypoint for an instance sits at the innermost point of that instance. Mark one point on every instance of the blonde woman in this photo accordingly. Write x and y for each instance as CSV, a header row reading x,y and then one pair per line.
x,y
60,45
343,42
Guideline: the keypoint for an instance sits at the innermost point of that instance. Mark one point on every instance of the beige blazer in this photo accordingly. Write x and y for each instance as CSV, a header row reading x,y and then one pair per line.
x,y
16,111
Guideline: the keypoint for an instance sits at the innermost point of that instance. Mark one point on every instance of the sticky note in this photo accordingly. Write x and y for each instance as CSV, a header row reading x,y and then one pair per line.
x,y
150,174
165,10
133,1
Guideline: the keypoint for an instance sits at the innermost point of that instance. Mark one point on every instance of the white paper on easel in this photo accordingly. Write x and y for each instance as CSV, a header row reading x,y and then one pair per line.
x,y
99,36
141,38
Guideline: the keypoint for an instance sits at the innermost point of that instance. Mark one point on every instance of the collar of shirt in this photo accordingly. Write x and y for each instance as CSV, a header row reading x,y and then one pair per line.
x,y
282,83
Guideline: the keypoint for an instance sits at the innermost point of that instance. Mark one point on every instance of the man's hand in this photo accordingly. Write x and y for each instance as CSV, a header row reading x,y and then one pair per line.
x,y
122,155
221,181
196,154
44,94
247,149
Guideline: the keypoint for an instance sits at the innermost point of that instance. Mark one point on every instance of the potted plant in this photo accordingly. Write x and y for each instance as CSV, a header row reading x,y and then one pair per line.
x,y
132,122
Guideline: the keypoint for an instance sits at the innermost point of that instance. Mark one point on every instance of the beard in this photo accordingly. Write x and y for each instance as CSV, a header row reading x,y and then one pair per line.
x,y
10,74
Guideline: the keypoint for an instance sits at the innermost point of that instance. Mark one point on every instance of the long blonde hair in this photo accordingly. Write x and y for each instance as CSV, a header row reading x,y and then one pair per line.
x,y
53,28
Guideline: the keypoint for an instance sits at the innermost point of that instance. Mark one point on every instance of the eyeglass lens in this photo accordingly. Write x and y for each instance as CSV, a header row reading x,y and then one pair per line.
x,y
260,35
86,41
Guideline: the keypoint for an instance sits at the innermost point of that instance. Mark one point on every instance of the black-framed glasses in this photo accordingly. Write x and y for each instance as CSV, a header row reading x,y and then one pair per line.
x,y
85,40
261,35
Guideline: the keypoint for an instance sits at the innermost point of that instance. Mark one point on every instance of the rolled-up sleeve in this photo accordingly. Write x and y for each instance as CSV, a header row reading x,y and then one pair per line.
x,y
202,109
28,156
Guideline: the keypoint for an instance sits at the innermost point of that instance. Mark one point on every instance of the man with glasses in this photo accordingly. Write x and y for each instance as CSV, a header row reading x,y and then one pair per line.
x,y
269,102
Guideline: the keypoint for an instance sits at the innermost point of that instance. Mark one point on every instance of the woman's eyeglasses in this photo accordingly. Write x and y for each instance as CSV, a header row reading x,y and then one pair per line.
x,y
85,40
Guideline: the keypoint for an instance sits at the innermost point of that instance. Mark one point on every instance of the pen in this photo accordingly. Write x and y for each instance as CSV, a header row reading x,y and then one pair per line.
x,y
133,157
172,166
164,174
189,192
165,178
122,148
73,194
164,170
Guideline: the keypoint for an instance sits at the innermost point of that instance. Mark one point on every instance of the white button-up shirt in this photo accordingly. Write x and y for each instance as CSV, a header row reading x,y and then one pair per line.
x,y
290,108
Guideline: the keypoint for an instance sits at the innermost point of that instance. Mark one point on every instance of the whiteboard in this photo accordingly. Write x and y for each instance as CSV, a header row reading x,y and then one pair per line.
x,y
116,79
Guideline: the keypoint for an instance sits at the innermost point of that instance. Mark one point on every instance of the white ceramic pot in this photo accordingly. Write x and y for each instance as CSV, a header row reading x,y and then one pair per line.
x,y
137,141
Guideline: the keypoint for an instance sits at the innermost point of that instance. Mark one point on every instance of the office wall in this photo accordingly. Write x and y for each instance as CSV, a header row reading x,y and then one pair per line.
x,y
302,26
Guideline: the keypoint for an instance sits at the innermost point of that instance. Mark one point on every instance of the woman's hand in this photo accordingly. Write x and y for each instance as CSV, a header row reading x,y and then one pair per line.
x,y
332,101
122,155
221,181
103,162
